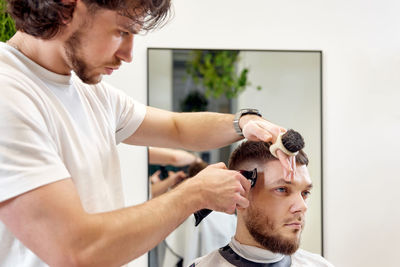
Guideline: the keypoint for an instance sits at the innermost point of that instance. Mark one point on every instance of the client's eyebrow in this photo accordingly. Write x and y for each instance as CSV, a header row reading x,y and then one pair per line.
x,y
283,181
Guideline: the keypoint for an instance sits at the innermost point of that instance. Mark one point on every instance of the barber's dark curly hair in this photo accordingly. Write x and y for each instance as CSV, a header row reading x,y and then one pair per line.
x,y
45,18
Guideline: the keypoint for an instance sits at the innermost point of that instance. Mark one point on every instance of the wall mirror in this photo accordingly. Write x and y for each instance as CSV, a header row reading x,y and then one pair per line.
x,y
286,87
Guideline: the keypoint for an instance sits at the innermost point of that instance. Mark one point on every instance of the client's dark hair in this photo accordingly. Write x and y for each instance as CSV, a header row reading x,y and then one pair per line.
x,y
45,18
257,151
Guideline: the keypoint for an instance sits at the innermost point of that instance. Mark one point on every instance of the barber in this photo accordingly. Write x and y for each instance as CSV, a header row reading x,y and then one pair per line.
x,y
61,197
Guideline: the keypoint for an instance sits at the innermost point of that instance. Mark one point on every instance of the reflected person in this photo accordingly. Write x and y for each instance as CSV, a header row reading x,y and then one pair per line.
x,y
269,230
160,186
173,157
161,183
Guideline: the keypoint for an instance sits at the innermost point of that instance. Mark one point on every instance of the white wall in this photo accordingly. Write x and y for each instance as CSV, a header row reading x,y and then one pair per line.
x,y
360,40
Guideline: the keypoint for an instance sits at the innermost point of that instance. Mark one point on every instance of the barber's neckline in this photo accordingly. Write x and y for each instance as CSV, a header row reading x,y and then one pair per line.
x,y
42,72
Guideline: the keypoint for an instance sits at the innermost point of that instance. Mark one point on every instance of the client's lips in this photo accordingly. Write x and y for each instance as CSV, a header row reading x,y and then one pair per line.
x,y
295,225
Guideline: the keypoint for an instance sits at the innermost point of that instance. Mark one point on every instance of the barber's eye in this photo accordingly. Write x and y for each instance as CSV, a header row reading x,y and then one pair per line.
x,y
123,33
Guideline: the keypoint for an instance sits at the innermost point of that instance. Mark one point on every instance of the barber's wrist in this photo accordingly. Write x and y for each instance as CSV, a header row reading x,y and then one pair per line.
x,y
242,117
192,193
246,118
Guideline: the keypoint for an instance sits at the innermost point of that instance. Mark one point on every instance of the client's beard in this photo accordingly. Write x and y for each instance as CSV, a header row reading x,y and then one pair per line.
x,y
262,230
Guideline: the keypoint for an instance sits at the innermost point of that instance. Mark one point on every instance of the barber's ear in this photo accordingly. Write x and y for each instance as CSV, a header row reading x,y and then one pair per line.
x,y
68,17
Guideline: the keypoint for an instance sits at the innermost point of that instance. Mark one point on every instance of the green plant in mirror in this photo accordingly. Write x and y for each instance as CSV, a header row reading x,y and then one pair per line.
x,y
217,71
7,26
193,102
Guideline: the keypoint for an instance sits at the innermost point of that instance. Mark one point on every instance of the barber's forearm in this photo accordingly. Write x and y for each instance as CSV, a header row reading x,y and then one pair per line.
x,y
61,233
205,130
194,131
123,235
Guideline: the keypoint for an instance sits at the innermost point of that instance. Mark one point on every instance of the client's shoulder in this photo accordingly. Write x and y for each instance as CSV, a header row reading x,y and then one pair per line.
x,y
305,258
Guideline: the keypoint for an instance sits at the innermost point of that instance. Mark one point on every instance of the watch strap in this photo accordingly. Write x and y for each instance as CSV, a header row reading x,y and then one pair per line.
x,y
240,114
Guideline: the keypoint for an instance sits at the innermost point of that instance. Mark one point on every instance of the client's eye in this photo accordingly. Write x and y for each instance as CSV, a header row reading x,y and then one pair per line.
x,y
306,194
281,190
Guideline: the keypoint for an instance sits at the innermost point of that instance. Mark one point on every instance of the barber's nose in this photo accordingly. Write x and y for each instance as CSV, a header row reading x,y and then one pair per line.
x,y
124,51
299,204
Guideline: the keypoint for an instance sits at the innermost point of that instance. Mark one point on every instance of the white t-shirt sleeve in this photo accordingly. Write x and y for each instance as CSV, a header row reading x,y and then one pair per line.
x,y
128,113
28,156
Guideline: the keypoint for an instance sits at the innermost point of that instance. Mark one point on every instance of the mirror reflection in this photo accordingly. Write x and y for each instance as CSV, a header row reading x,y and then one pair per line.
x,y
285,86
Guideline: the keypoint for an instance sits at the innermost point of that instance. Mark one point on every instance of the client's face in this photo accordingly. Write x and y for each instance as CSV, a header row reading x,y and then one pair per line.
x,y
275,217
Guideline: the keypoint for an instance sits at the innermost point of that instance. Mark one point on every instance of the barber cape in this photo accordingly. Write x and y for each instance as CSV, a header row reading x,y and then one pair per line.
x,y
188,242
236,254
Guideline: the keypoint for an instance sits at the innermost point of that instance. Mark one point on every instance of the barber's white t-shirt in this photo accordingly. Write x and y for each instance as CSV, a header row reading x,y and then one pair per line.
x,y
54,127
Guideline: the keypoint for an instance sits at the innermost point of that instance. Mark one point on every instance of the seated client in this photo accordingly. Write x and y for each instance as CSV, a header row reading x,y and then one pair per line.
x,y
268,231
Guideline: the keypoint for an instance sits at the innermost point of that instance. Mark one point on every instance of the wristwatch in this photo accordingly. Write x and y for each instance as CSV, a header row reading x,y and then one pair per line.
x,y
239,114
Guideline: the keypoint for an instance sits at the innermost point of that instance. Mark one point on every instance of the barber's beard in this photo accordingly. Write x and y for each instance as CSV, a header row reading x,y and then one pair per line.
x,y
73,47
264,232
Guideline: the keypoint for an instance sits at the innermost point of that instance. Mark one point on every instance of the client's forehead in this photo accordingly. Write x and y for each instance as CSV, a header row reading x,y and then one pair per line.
x,y
273,174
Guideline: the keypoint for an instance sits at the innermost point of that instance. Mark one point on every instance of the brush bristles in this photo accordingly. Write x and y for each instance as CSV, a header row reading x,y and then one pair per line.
x,y
292,141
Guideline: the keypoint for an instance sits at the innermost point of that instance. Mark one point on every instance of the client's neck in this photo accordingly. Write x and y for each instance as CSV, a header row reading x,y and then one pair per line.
x,y
244,244
243,235
254,254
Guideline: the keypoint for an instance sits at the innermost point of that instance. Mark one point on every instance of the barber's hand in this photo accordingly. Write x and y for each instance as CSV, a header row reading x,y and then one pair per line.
x,y
222,189
255,128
